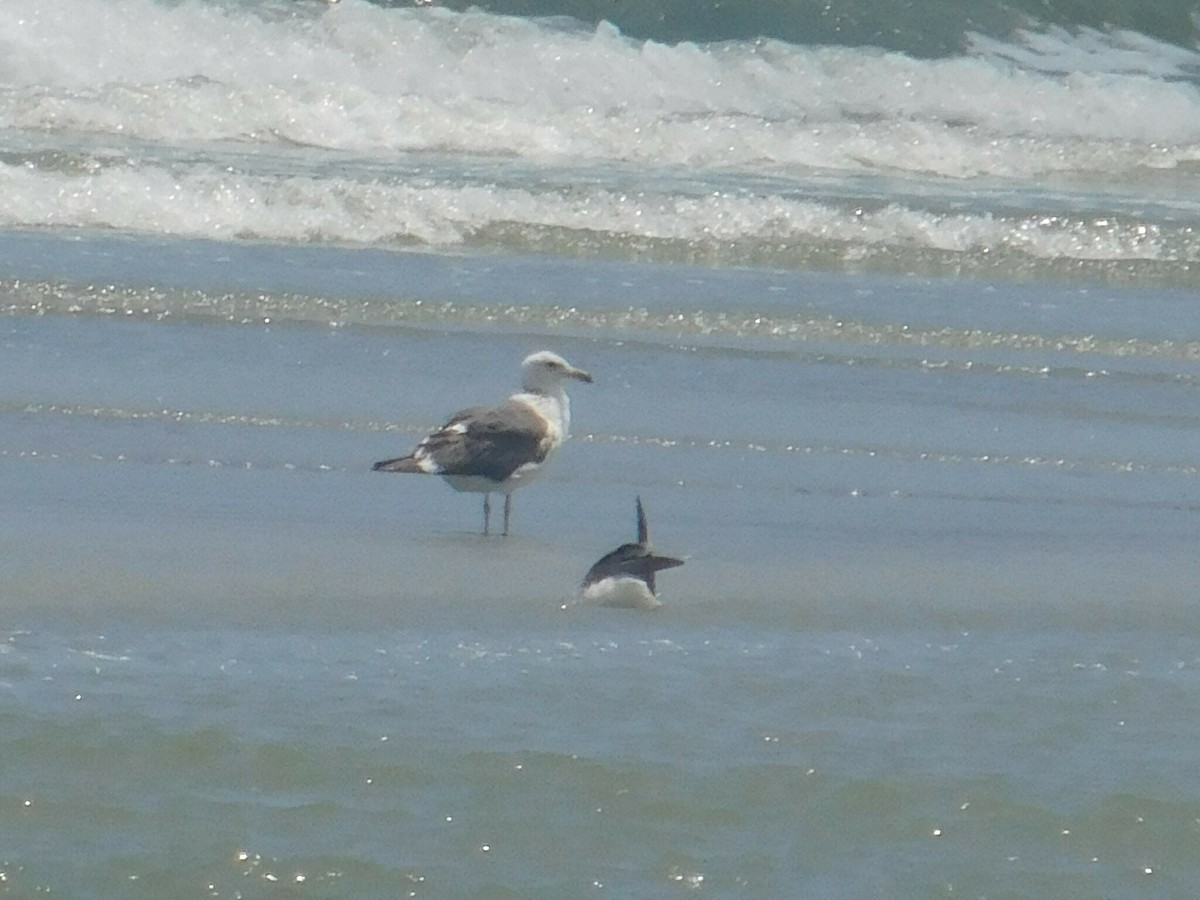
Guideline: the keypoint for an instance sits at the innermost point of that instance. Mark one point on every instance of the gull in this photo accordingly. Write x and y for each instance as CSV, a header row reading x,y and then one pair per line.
x,y
625,577
501,448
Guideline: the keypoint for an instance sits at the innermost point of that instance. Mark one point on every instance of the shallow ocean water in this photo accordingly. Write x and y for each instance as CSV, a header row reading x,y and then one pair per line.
x,y
892,312
633,756
935,635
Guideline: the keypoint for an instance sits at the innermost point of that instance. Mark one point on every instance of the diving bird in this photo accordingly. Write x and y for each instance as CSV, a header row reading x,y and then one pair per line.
x,y
498,449
625,577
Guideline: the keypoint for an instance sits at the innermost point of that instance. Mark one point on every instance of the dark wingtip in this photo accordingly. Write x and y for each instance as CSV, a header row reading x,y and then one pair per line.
x,y
643,529
665,562
399,464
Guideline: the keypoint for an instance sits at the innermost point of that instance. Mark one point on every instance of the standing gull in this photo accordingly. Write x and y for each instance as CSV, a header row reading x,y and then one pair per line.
x,y
625,577
500,448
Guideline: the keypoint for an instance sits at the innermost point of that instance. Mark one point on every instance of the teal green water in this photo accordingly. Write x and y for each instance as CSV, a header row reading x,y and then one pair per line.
x,y
919,27
629,758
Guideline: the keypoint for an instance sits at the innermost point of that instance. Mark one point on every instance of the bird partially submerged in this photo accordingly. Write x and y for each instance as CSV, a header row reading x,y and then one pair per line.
x,y
500,448
625,577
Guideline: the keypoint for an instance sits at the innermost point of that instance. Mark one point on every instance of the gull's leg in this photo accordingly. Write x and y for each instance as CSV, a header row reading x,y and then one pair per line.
x,y
507,510
487,511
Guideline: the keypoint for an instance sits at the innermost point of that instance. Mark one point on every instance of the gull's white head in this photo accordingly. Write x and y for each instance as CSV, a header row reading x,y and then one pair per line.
x,y
544,372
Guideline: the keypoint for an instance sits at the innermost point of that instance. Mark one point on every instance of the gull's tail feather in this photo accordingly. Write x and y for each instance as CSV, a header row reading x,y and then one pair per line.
x,y
399,464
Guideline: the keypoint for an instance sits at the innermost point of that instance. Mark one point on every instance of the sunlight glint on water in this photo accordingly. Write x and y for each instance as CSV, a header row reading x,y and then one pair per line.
x,y
892,314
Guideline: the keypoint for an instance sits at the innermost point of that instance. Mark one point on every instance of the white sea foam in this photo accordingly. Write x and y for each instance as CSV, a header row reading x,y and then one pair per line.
x,y
416,126
362,77
212,202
